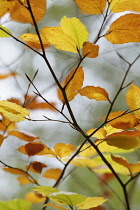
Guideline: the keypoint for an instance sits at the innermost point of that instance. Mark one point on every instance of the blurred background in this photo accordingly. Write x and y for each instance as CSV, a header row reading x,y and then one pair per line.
x,y
106,71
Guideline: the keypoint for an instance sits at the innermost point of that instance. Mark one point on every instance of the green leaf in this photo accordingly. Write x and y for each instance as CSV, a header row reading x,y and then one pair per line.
x,y
45,190
67,198
4,34
17,204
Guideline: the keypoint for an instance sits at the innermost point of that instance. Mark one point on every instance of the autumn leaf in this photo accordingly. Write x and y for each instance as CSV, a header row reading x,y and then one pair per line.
x,y
76,78
123,141
90,202
11,74
55,206
125,29
36,167
25,180
3,34
52,173
14,171
12,111
63,150
133,168
33,40
124,5
97,93
5,6
127,121
34,197
92,7
90,50
70,35
35,148
21,14
16,204
1,139
87,151
100,134
133,98
6,124
23,135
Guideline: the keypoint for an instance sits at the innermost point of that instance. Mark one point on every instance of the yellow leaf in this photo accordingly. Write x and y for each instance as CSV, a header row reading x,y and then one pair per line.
x,y
125,29
124,5
21,14
91,202
55,206
100,134
133,98
14,171
109,129
53,173
5,6
23,135
63,150
126,121
87,151
133,168
74,29
124,142
93,7
83,162
70,35
90,50
97,93
3,34
76,78
35,197
13,112
33,38
25,180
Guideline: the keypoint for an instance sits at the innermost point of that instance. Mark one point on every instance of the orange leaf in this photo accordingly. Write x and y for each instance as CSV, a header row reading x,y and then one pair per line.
x,y
63,150
25,180
14,171
125,29
35,197
21,14
35,148
6,124
133,168
1,139
133,98
76,78
124,5
52,173
126,121
23,135
93,7
90,50
97,93
36,167
4,76
5,6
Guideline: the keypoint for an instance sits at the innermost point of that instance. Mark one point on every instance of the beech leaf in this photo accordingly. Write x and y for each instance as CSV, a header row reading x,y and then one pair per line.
x,y
63,150
97,93
93,7
124,5
125,29
53,173
91,202
55,206
76,78
90,50
16,204
3,34
23,135
34,197
13,112
133,98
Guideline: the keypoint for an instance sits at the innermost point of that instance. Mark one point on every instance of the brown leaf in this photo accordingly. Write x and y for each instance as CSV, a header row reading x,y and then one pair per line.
x,y
90,50
36,167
